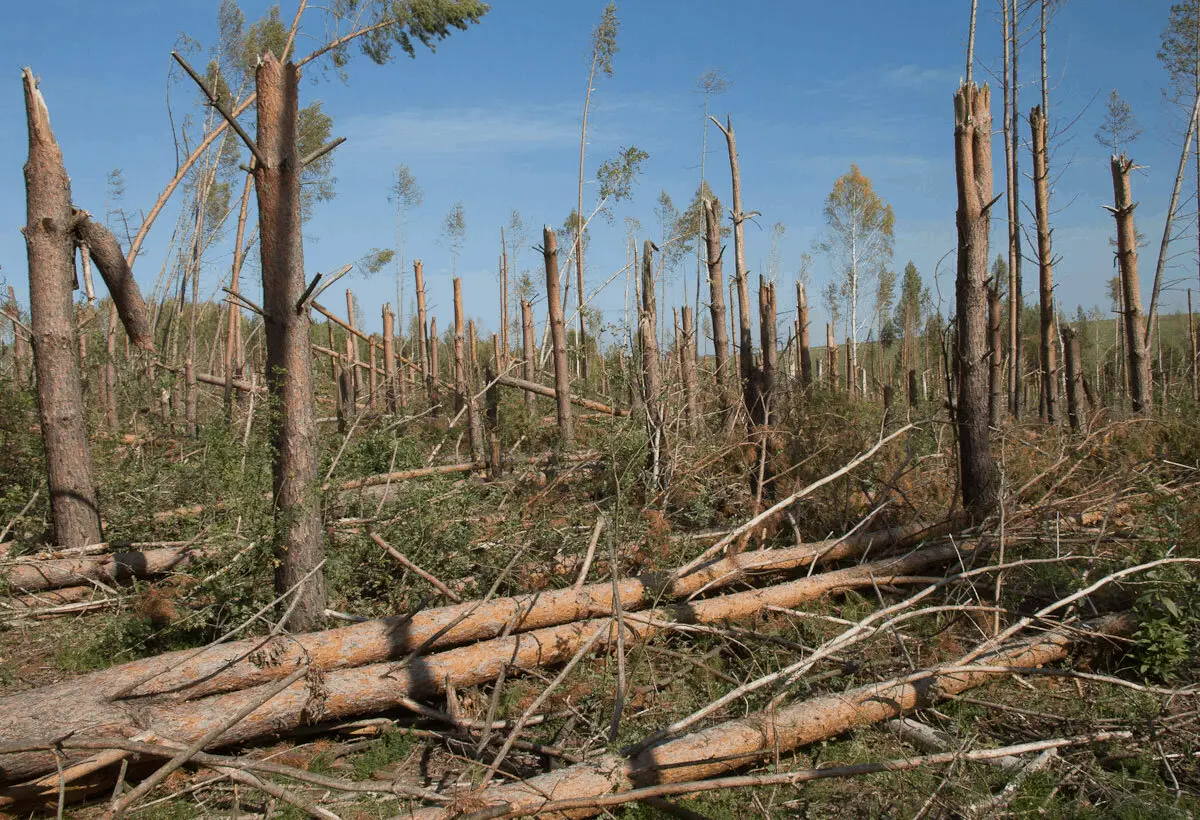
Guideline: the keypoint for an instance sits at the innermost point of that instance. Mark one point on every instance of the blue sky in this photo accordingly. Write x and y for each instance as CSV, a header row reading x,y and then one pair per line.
x,y
492,119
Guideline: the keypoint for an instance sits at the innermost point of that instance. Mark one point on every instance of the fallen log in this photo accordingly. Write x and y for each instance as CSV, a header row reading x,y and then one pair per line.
x,y
91,706
543,390
115,568
733,744
236,384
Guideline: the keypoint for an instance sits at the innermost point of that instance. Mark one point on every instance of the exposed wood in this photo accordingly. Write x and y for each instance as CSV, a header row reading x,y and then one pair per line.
x,y
106,253
1141,384
558,332
831,357
723,375
50,244
652,395
529,354
389,361
687,361
806,374
973,172
474,416
424,334
1041,193
298,542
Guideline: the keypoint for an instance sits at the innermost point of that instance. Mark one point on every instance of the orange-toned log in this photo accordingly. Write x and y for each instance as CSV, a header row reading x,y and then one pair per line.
x,y
734,744
97,708
543,390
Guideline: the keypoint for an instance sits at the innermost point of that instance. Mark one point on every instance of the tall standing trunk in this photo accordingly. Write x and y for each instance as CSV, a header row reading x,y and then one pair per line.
x,y
716,306
745,334
995,358
389,360
558,333
1140,382
802,336
50,244
973,173
1074,375
831,356
687,362
431,380
1192,367
474,416
1041,193
460,370
587,101
353,360
529,353
503,348
423,332
651,366
298,539
1012,163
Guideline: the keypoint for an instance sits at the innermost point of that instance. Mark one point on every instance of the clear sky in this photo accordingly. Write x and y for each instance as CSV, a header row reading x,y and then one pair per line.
x,y
492,119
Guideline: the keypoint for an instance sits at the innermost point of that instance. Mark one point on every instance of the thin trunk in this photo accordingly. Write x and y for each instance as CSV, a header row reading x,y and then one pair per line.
x,y
973,167
1016,297
389,360
423,331
529,352
1140,382
354,360
111,416
50,242
1073,376
562,374
431,378
996,356
716,293
1041,189
687,362
831,356
587,100
460,370
651,367
802,336
474,417
745,334
298,540
1192,347
233,325
372,381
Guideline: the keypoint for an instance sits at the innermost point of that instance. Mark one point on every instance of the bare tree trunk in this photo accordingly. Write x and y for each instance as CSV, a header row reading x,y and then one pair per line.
x,y
651,367
20,351
558,331
389,359
423,331
474,418
298,541
1073,376
234,313
50,243
372,381
716,292
502,352
913,396
996,357
1140,381
529,352
831,356
1012,157
806,375
1192,347
851,375
105,252
1041,193
745,334
352,359
460,370
687,362
431,378
973,167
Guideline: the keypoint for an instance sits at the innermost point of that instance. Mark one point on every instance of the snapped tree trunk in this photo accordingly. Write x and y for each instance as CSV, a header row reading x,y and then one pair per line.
x,y
831,356
389,360
474,417
716,307
802,336
460,369
105,252
1041,193
431,380
50,244
995,358
298,539
1074,376
1192,347
529,353
651,367
424,333
1141,384
973,173
558,332
687,362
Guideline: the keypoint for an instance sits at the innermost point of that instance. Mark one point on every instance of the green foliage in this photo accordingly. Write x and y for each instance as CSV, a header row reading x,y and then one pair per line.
x,y
115,639
1169,621
391,748
1119,127
617,175
604,39
454,231
1179,52
403,23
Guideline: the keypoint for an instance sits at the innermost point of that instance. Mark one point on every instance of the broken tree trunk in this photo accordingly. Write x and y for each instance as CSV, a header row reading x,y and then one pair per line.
x,y
114,568
389,360
536,389
50,244
1192,374
728,746
529,354
1041,192
652,395
106,704
995,358
973,172
806,375
558,332
298,539
424,333
716,305
105,252
431,380
687,363
1073,376
831,356
460,368
474,416
1140,381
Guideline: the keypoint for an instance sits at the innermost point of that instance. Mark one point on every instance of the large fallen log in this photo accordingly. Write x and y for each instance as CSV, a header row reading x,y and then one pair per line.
x,y
88,707
114,568
735,743
543,390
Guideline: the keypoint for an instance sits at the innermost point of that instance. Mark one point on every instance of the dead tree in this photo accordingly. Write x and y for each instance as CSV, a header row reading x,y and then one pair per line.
x,y
389,359
1192,347
995,357
1074,375
652,387
716,306
529,352
50,244
802,336
424,334
460,369
299,540
1140,380
687,363
431,379
973,173
105,252
474,417
1041,194
831,356
233,330
558,333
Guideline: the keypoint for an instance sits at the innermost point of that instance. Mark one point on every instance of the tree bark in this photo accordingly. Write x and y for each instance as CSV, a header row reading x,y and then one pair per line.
x,y
995,358
1141,384
806,374
558,332
105,252
1074,376
716,306
687,362
431,380
1041,193
233,364
50,243
474,417
529,353
298,538
460,370
1192,348
973,172
389,359
423,332
651,367
831,355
